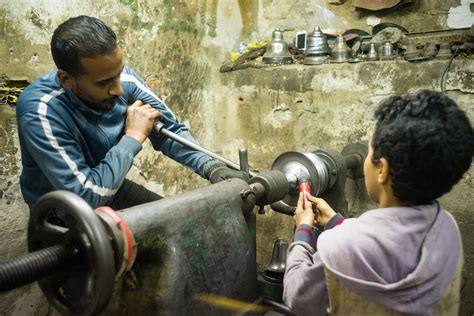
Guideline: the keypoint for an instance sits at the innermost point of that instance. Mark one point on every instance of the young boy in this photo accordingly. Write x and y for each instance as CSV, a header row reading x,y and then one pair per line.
x,y
406,256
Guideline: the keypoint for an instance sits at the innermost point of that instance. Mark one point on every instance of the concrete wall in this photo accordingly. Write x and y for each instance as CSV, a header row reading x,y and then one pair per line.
x,y
178,47
304,108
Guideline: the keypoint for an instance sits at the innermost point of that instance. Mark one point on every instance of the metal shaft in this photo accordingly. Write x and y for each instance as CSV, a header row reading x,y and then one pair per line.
x,y
244,160
160,129
35,265
353,161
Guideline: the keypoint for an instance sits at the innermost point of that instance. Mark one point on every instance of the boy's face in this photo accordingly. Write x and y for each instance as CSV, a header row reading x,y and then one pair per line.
x,y
371,172
99,84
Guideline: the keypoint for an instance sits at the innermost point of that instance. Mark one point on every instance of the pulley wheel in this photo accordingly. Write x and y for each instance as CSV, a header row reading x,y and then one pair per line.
x,y
85,287
296,166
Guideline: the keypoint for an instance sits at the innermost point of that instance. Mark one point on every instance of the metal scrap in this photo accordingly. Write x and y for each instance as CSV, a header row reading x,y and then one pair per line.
x,y
10,89
245,60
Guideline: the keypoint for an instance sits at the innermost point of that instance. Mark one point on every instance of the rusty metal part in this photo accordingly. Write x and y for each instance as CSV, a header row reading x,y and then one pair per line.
x,y
421,38
84,287
444,51
194,243
430,50
183,240
269,186
411,52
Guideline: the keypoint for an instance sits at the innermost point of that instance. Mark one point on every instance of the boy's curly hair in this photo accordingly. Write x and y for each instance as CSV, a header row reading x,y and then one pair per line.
x,y
428,142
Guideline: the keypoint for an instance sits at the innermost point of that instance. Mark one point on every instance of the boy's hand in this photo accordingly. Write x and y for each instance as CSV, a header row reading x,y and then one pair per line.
x,y
322,209
304,216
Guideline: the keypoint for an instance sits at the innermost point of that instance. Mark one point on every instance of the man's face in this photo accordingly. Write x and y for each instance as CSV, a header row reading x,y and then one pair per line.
x,y
99,83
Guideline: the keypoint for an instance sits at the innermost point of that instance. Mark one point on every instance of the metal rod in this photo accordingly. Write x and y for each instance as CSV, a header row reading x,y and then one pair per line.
x,y
244,160
35,265
353,161
160,129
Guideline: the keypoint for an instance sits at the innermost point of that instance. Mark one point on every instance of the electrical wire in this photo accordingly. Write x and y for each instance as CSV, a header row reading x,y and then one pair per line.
x,y
447,69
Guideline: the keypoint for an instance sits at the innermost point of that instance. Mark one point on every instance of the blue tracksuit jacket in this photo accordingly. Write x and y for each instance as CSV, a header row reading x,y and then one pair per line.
x,y
65,145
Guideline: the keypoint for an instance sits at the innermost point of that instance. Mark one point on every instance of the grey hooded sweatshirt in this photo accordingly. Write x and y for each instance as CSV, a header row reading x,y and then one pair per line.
x,y
403,258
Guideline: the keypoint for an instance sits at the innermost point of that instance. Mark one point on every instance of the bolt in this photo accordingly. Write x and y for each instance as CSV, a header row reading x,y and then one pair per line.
x,y
245,193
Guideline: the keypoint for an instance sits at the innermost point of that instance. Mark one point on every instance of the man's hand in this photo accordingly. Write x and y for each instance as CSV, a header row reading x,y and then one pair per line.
x,y
141,118
216,171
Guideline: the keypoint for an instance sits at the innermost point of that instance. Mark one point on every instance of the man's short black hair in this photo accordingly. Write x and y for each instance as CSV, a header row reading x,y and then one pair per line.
x,y
80,37
428,142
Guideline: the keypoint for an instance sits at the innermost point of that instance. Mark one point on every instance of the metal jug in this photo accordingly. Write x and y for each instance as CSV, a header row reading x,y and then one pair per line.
x,y
387,52
341,51
277,50
276,268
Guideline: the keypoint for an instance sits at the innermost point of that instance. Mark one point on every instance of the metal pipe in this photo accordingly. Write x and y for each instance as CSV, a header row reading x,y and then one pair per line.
x,y
244,160
282,207
160,129
190,206
353,161
35,265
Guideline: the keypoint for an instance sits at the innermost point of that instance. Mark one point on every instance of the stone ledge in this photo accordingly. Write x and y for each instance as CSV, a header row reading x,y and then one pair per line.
x,y
400,74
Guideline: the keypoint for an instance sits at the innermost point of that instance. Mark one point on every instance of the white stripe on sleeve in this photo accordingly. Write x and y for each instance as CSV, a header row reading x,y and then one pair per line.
x,y
42,110
141,86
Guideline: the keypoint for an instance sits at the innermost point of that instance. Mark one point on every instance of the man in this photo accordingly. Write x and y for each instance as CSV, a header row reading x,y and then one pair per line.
x,y
81,127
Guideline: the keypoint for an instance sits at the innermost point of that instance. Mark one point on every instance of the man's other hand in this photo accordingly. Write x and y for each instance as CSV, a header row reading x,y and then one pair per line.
x,y
217,171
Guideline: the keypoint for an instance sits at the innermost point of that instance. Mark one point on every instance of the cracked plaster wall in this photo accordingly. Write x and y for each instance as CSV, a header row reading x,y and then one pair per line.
x,y
178,46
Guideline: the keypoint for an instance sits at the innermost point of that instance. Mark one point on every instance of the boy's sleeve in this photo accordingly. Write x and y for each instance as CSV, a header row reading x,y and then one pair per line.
x,y
307,234
60,158
138,90
304,283
334,221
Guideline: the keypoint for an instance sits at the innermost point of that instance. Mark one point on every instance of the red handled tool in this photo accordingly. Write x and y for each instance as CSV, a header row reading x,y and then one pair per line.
x,y
305,187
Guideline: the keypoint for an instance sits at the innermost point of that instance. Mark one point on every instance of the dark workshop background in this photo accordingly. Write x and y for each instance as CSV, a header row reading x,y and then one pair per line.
x,y
179,47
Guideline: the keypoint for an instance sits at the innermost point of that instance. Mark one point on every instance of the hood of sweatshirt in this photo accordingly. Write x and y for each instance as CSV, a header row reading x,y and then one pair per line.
x,y
403,258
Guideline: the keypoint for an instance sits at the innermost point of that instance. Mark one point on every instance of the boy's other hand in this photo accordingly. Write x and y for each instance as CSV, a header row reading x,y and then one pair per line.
x,y
323,211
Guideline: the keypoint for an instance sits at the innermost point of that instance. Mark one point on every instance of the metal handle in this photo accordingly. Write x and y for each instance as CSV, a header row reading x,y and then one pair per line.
x,y
160,129
244,160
